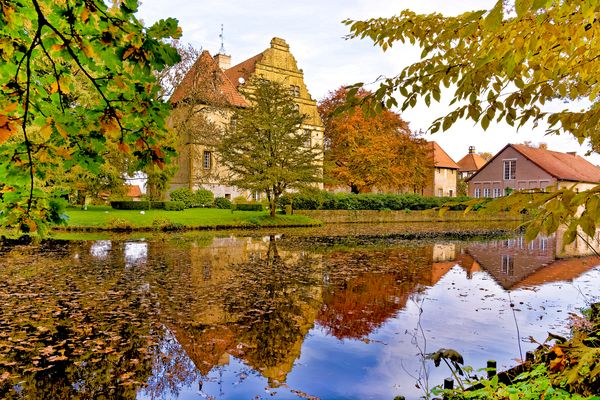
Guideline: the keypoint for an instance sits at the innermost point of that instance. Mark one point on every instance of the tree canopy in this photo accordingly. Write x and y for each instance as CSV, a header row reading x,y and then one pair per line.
x,y
266,149
76,76
366,151
503,64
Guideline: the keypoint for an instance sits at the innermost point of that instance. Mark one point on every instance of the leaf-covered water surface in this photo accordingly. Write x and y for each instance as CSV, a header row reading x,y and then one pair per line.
x,y
304,315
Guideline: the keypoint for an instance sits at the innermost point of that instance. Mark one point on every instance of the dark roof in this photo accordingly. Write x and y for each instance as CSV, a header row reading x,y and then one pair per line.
x,y
441,159
243,70
205,66
471,162
562,166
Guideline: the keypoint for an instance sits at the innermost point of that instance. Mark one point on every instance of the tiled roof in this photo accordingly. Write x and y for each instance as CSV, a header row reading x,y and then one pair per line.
x,y
206,66
471,162
441,159
563,166
134,191
561,270
243,70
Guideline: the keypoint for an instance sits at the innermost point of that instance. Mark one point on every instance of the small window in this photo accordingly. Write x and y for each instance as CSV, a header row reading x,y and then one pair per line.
x,y
228,196
450,193
440,192
295,90
497,192
308,134
510,169
477,193
486,192
207,160
508,264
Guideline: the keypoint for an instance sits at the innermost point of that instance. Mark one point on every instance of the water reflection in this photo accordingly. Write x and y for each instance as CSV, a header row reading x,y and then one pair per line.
x,y
229,316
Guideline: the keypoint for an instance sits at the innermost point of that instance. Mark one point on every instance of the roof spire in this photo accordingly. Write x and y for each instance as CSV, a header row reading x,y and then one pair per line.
x,y
222,49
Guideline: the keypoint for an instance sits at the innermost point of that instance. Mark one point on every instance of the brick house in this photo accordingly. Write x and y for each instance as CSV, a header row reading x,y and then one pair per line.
x,y
520,167
470,164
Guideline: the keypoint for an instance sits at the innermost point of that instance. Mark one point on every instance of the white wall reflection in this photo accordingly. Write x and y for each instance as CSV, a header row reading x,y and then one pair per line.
x,y
136,254
100,249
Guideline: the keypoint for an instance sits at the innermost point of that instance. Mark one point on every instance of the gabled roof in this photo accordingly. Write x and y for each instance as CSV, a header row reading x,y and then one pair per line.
x,y
471,162
206,67
441,159
133,191
243,70
562,166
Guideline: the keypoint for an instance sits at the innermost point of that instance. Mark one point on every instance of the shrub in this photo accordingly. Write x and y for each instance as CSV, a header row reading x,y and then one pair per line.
x,y
183,194
249,207
321,200
240,200
203,198
223,203
157,205
174,205
130,205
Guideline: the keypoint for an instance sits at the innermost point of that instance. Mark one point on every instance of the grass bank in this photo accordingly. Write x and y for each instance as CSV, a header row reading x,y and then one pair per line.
x,y
106,218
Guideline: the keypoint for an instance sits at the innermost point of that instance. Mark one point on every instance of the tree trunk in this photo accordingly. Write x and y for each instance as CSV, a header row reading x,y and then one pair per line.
x,y
354,188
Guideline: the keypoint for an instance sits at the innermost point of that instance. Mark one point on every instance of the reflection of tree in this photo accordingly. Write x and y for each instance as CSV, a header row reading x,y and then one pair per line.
x,y
275,301
356,303
73,330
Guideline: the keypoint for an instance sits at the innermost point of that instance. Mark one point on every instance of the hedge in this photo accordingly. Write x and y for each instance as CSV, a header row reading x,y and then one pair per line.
x,y
222,202
199,198
174,205
321,200
248,207
146,205
130,205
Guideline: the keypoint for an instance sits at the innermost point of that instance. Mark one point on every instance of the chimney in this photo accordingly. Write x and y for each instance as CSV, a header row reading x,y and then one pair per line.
x,y
471,149
223,60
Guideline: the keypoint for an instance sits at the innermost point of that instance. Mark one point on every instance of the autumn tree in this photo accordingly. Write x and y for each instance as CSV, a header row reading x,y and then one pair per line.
x,y
265,149
366,151
53,52
504,64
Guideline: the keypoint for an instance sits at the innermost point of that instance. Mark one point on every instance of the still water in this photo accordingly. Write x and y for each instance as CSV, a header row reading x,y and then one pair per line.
x,y
307,314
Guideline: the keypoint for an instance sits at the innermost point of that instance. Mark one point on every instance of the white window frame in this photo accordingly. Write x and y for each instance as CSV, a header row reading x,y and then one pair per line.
x,y
510,173
486,192
477,193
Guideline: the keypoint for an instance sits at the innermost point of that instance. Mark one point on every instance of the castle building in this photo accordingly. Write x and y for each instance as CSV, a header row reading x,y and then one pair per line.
x,y
212,88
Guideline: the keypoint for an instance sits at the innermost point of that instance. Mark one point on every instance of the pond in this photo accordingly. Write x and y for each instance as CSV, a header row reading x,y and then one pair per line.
x,y
330,313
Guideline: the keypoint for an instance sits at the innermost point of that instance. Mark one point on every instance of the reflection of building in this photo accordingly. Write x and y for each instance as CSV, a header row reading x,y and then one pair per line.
x,y
515,263
521,167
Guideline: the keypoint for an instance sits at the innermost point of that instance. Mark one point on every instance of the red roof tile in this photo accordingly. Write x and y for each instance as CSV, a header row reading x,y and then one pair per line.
x,y
471,162
243,70
204,67
563,166
441,159
133,191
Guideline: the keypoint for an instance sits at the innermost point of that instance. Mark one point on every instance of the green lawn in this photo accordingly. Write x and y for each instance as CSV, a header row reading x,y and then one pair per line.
x,y
107,217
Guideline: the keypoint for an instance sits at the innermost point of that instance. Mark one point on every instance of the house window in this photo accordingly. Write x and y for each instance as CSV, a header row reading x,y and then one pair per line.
x,y
308,134
510,169
486,192
207,160
440,192
477,193
450,193
295,90
508,264
497,192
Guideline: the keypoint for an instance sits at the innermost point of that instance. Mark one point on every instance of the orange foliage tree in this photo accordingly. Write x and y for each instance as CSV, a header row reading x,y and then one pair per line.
x,y
372,151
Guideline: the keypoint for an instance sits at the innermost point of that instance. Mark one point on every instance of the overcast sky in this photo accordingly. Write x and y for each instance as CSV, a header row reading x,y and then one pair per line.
x,y
314,31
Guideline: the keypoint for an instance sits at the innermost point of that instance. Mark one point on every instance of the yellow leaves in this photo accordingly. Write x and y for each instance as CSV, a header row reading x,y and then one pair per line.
x,y
127,53
85,14
123,147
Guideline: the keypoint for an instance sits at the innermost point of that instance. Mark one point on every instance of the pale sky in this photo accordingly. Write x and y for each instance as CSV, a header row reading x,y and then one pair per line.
x,y
314,31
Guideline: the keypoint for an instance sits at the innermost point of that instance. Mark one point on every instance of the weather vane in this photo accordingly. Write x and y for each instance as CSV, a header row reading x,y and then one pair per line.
x,y
222,50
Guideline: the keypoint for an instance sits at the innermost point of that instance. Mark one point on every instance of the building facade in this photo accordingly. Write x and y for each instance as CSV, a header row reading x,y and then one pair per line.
x,y
445,170
198,162
520,167
470,164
